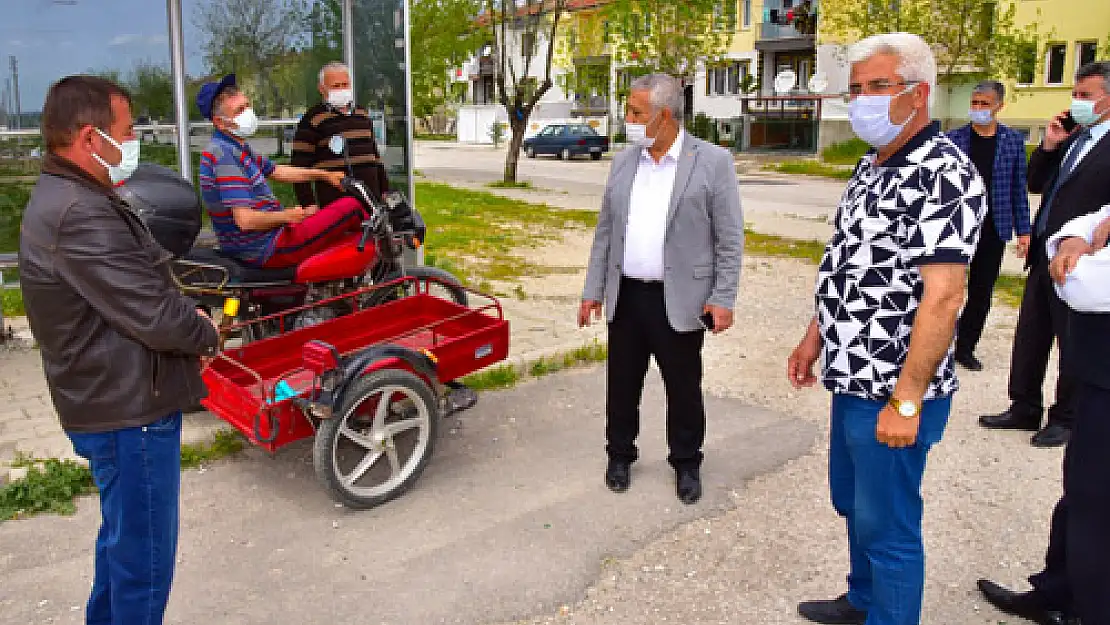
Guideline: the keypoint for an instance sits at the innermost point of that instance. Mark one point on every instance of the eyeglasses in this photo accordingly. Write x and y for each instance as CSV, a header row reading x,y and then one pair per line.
x,y
872,87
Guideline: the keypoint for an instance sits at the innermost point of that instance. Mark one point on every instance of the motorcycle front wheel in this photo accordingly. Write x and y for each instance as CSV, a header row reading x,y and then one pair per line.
x,y
432,280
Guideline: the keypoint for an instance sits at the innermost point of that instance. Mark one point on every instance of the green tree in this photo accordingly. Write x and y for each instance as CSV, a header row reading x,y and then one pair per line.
x,y
521,32
443,37
972,39
152,91
257,40
670,36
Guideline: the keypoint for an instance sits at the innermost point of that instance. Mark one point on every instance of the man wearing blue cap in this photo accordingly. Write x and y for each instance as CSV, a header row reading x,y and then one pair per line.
x,y
250,224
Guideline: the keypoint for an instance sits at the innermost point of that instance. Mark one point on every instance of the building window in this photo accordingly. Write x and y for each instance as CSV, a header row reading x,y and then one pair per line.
x,y
719,78
528,44
734,78
1027,64
1086,52
1057,54
746,10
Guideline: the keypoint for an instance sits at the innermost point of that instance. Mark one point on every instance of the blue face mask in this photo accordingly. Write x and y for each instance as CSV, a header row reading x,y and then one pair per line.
x,y
980,117
1083,111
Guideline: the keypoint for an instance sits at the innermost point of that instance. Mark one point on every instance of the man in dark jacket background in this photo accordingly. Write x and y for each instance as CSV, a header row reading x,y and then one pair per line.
x,y
120,345
1068,169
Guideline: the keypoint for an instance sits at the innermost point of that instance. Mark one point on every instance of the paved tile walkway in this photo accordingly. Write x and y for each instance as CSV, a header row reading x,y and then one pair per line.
x,y
28,423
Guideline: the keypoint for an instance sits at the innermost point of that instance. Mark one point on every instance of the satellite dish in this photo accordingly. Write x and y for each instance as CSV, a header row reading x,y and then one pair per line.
x,y
818,83
785,81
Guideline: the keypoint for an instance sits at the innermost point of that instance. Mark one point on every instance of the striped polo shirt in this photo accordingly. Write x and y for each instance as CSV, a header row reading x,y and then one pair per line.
x,y
233,176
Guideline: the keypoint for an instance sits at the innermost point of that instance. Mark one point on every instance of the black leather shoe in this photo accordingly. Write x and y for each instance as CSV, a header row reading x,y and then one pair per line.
x,y
688,486
969,362
1012,419
1053,435
1028,605
618,476
838,611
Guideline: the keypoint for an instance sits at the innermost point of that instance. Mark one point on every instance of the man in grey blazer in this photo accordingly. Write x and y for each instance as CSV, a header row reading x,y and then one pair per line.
x,y
666,264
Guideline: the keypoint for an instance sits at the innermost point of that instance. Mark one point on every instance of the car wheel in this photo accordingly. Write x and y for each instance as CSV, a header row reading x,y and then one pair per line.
x,y
595,156
530,152
565,154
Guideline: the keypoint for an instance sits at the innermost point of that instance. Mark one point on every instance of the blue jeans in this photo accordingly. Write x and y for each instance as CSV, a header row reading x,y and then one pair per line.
x,y
877,490
138,473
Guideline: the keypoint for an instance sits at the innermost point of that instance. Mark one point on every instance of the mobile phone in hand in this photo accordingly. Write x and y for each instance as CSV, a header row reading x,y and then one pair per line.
x,y
707,321
1068,122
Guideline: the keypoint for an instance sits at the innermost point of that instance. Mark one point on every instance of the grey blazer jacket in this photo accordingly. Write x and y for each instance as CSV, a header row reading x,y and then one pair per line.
x,y
704,237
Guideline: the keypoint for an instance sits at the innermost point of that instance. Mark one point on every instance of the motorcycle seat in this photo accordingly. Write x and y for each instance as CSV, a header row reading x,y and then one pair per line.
x,y
239,274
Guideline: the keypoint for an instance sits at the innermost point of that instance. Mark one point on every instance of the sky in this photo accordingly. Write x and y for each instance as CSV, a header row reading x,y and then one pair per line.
x,y
54,38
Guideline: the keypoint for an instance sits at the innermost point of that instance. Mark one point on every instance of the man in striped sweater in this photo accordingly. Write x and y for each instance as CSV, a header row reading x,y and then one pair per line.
x,y
250,224
337,115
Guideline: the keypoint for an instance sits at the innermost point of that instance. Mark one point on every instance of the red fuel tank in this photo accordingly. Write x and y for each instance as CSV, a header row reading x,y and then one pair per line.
x,y
338,262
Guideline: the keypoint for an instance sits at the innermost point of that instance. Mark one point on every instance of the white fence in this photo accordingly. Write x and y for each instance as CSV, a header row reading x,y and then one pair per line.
x,y
475,122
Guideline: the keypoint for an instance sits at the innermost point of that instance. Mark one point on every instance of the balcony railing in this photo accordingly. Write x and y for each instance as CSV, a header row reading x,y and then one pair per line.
x,y
772,31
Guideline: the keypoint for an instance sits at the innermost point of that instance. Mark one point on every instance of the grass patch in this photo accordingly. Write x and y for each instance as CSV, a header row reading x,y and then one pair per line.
x,y
1009,289
50,489
434,137
503,376
507,376
226,443
478,233
781,247
51,486
518,184
807,167
845,153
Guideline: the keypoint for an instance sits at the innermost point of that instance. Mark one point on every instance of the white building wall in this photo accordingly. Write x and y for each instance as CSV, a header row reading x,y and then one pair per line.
x,y
721,106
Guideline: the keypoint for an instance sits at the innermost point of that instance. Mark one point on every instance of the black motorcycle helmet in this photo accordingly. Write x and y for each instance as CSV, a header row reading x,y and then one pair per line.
x,y
167,203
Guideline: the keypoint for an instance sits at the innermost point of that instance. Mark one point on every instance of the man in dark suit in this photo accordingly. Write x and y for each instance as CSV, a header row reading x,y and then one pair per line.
x,y
998,152
665,257
1069,170
1075,581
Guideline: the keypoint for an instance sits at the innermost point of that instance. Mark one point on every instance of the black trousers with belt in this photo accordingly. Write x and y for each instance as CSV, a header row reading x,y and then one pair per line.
x,y
982,275
1043,318
1076,577
640,331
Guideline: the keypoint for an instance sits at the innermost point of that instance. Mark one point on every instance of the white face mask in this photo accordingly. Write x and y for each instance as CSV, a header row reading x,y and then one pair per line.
x,y
980,117
637,134
246,124
870,118
341,98
128,162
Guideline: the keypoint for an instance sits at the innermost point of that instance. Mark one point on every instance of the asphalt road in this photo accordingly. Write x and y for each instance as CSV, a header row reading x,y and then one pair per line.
x,y
511,518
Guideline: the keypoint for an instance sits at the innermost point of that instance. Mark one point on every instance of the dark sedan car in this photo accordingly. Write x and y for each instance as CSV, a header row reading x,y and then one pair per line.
x,y
567,141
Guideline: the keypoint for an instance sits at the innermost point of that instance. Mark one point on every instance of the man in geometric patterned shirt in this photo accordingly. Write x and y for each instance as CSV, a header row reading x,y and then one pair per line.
x,y
889,291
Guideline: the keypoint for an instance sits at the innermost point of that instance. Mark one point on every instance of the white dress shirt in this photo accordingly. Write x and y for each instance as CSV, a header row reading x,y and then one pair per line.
x,y
647,213
1087,287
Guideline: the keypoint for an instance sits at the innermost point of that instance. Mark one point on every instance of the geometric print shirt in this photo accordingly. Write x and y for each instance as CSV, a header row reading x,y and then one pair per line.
x,y
925,204
233,176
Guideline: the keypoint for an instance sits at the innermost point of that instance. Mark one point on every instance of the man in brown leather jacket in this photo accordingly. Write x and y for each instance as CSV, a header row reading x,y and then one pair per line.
x,y
121,347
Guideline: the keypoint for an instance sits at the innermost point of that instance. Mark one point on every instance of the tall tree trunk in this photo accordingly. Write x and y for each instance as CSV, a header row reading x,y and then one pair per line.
x,y
512,158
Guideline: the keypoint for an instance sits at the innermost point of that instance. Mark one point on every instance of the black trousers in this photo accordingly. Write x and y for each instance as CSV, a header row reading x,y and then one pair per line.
x,y
1076,577
982,275
639,331
1043,317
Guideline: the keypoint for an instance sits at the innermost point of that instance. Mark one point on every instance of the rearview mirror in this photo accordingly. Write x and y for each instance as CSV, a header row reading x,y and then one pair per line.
x,y
336,144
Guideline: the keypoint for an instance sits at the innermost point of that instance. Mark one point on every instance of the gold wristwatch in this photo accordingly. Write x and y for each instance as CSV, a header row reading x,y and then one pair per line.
x,y
906,408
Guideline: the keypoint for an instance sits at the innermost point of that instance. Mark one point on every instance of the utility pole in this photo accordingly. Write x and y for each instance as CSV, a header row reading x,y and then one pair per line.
x,y
15,93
